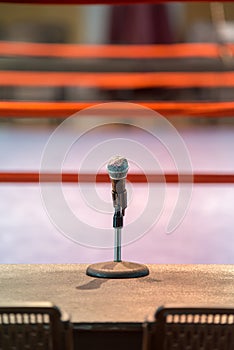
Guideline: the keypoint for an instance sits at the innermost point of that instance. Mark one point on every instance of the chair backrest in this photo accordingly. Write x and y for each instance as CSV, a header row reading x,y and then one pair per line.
x,y
32,326
194,328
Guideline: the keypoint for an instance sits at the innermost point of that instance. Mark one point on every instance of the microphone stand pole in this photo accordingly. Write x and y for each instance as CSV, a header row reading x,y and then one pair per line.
x,y
117,248
118,225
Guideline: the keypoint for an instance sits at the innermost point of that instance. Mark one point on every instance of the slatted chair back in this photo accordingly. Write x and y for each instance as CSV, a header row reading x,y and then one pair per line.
x,y
193,328
33,326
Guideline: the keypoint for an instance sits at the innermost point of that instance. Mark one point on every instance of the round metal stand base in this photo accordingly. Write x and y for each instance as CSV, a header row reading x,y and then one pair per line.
x,y
114,269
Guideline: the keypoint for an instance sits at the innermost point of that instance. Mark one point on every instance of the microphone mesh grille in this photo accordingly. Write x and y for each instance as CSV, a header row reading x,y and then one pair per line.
x,y
117,167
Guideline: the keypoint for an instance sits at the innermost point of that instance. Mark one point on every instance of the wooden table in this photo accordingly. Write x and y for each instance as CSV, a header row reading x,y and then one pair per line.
x,y
110,308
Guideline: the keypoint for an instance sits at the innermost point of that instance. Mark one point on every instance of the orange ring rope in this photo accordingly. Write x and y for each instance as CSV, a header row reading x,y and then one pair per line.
x,y
185,50
118,80
35,177
66,109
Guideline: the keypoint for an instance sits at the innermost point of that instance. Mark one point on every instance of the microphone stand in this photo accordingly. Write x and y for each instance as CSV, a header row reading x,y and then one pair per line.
x,y
117,268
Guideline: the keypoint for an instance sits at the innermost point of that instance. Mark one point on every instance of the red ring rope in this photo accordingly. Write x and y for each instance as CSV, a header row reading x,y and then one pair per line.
x,y
185,50
35,177
66,109
118,80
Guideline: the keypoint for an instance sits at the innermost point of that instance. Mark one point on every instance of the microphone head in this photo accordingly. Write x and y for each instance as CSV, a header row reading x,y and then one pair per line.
x,y
117,167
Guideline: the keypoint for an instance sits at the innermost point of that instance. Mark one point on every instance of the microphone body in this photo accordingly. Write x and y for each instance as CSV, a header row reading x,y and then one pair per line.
x,y
117,169
119,194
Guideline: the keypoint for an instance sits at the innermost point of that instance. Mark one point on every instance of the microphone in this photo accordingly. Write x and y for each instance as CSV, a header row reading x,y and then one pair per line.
x,y
117,169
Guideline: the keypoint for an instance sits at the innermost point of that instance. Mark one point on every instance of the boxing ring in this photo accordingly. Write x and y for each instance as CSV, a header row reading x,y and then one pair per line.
x,y
215,178
202,246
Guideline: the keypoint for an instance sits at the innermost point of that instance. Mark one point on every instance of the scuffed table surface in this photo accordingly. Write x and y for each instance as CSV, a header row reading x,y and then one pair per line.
x,y
90,300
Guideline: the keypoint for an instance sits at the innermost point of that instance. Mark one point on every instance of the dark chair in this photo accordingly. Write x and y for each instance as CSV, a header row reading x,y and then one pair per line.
x,y
34,326
192,328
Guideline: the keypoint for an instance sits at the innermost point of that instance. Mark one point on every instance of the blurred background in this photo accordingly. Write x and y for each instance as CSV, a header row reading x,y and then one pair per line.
x,y
206,234
128,24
